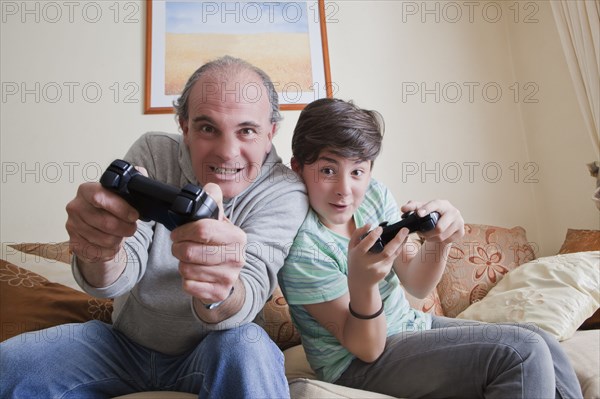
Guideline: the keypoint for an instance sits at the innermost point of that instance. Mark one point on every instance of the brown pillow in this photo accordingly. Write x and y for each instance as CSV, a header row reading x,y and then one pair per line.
x,y
580,241
583,241
278,322
478,261
29,302
53,251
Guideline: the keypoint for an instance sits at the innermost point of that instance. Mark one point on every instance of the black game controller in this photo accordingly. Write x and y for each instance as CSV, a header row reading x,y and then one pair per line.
x,y
411,221
158,201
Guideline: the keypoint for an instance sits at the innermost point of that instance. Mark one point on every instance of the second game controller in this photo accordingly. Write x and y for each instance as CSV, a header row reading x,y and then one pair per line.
x,y
158,201
411,221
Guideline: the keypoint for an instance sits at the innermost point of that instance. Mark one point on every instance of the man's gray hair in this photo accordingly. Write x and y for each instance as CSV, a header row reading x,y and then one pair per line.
x,y
224,65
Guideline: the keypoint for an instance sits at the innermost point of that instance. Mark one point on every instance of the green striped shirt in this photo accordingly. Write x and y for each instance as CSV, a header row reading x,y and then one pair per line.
x,y
316,271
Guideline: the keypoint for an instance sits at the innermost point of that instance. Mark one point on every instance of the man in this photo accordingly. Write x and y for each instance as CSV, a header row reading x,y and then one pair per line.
x,y
184,300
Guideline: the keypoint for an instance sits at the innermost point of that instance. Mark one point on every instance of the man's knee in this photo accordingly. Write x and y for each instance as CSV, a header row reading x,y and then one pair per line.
x,y
249,342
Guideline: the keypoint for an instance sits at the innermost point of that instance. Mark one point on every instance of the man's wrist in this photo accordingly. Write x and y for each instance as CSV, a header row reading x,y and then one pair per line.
x,y
214,305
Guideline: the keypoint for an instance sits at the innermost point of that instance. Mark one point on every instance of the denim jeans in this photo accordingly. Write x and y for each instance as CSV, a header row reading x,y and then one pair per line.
x,y
468,359
92,360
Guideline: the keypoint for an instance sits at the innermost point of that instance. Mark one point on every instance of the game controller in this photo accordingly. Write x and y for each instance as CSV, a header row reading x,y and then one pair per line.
x,y
410,220
158,201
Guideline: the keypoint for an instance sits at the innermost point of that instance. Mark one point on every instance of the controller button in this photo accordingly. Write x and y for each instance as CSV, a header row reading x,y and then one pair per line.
x,y
192,190
110,179
182,205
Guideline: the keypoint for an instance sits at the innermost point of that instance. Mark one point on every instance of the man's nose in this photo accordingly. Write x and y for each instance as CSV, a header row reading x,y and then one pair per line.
x,y
228,147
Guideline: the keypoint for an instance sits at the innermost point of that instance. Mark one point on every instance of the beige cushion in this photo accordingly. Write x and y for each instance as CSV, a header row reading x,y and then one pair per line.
x,y
303,388
583,349
557,293
296,365
158,395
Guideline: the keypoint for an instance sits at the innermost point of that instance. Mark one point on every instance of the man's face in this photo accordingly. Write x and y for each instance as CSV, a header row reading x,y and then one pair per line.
x,y
228,130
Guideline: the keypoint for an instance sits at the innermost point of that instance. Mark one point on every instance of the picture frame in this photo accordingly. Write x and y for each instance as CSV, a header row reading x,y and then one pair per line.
x,y
286,39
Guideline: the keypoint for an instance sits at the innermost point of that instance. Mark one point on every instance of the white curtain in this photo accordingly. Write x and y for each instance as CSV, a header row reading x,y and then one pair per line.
x,y
578,23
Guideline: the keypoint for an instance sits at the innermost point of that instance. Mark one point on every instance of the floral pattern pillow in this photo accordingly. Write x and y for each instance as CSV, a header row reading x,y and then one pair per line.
x,y
478,261
29,302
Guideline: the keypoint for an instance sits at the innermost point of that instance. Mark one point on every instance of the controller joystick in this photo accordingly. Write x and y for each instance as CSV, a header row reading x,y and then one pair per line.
x,y
158,201
410,220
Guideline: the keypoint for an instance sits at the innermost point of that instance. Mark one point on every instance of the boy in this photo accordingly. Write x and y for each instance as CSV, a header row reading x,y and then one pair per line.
x,y
356,325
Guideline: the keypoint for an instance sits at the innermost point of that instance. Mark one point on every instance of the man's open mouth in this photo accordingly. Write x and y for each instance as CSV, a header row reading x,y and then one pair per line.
x,y
225,171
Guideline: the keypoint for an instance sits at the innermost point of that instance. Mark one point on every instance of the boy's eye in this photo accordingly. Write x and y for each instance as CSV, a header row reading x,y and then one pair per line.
x,y
358,172
327,171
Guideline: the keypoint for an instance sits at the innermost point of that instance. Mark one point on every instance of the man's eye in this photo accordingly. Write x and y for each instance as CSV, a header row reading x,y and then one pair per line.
x,y
248,131
206,129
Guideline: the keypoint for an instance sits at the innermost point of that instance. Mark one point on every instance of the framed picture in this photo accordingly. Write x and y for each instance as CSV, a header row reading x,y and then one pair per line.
x,y
286,39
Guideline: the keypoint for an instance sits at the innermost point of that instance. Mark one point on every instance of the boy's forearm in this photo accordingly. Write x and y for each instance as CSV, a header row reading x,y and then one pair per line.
x,y
365,338
425,269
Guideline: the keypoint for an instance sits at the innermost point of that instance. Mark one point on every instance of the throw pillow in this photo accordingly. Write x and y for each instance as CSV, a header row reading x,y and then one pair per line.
x,y
29,302
580,241
556,293
278,322
478,261
430,304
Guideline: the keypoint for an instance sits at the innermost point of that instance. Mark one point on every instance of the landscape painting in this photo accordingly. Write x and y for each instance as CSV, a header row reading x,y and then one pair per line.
x,y
285,39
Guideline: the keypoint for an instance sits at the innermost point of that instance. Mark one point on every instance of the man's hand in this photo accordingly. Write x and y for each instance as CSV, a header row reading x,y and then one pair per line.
x,y
98,222
211,254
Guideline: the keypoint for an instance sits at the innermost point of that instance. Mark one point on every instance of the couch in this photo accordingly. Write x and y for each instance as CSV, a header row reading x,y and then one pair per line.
x,y
493,275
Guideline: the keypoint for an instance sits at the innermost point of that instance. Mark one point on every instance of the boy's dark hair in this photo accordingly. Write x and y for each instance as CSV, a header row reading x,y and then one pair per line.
x,y
338,126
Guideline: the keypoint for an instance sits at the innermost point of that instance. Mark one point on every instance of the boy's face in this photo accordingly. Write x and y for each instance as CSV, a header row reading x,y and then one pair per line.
x,y
336,188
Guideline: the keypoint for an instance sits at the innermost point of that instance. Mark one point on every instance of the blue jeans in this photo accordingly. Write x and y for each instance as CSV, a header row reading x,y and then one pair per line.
x,y
468,359
92,360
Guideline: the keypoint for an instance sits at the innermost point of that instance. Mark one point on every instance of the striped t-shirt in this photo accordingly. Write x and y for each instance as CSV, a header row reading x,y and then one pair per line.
x,y
316,271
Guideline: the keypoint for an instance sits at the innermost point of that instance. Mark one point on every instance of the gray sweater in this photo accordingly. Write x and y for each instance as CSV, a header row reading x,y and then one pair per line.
x,y
150,306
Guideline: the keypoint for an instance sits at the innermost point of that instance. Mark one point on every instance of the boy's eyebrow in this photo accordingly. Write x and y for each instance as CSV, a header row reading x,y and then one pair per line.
x,y
327,159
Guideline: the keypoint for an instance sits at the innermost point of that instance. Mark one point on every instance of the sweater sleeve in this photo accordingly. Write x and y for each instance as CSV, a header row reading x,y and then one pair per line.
x,y
270,226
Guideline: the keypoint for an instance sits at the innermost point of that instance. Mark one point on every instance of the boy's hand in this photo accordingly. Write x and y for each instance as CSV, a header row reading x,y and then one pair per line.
x,y
450,226
366,269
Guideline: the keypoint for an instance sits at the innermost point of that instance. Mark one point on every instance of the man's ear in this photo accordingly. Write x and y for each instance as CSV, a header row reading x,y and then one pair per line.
x,y
295,165
183,124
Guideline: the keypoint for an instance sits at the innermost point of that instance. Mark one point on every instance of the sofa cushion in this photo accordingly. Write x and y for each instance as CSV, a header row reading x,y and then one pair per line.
x,y
430,304
29,302
478,261
579,241
303,388
583,349
556,293
278,322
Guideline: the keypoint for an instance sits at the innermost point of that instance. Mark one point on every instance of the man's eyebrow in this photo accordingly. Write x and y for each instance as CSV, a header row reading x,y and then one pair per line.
x,y
206,118
203,118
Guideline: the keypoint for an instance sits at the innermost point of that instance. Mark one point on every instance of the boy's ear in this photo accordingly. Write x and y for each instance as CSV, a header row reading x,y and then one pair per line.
x,y
295,165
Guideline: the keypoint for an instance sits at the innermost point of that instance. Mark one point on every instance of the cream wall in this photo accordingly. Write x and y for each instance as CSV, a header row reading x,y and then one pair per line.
x,y
499,159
